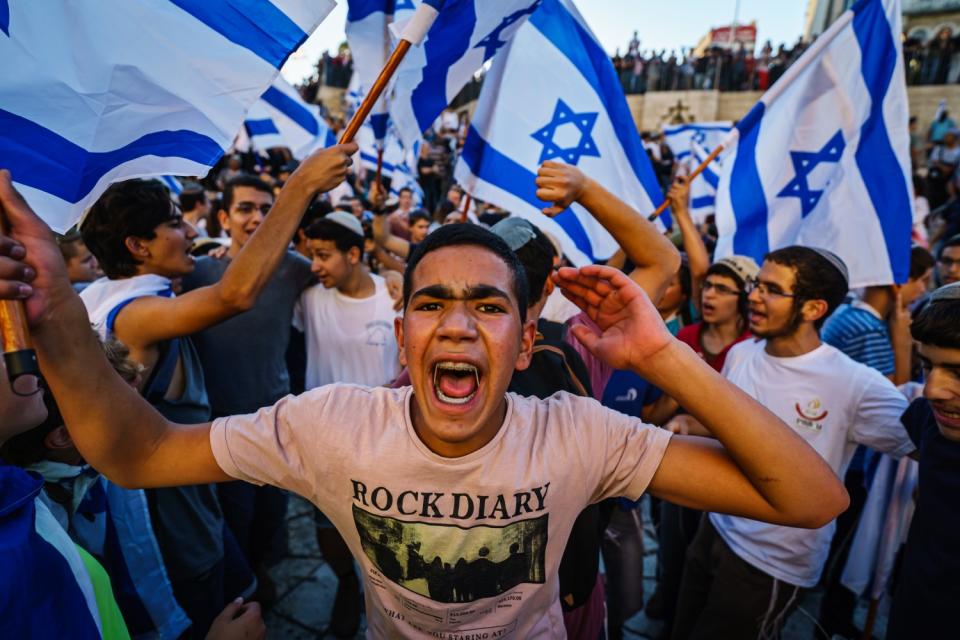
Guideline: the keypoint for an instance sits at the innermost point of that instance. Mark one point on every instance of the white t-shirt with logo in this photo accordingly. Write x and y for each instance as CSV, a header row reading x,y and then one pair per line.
x,y
834,403
348,339
448,547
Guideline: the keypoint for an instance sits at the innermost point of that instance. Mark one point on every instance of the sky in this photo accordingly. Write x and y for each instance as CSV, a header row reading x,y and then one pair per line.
x,y
660,25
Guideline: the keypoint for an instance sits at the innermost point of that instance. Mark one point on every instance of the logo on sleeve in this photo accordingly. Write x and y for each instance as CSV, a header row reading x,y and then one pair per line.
x,y
812,415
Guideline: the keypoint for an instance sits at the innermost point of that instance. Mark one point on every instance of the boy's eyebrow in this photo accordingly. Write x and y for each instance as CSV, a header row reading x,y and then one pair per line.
x,y
476,292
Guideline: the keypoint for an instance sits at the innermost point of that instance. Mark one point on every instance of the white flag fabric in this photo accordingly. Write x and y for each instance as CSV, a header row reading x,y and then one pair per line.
x,y
282,118
399,165
680,137
96,92
465,34
553,94
823,159
703,189
368,35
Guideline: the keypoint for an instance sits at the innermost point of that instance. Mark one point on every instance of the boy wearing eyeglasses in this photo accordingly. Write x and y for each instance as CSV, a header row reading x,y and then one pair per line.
x,y
255,515
743,578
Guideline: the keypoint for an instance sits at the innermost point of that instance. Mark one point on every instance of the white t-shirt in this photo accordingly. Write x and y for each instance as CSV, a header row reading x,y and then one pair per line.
x,y
834,403
448,547
348,339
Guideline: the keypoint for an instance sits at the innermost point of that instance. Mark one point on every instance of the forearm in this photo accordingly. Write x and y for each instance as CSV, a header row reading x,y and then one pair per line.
x,y
777,462
698,260
253,267
654,256
112,426
901,362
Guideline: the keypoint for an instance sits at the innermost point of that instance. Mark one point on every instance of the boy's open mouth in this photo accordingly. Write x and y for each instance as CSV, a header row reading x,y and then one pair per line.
x,y
455,382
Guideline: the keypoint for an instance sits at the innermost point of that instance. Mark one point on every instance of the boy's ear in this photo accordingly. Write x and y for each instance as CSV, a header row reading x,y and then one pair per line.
x,y
58,439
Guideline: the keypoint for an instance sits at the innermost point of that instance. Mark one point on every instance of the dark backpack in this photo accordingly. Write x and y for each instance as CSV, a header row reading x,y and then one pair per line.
x,y
556,366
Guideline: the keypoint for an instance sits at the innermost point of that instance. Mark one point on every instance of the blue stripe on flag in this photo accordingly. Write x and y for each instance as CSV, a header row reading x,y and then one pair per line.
x,y
881,172
429,98
712,179
378,122
369,157
694,127
260,127
593,62
292,109
5,17
257,25
490,165
746,191
703,201
44,160
360,9
436,4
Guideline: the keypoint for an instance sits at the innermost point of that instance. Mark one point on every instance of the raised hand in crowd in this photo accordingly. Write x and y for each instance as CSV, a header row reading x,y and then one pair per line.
x,y
654,257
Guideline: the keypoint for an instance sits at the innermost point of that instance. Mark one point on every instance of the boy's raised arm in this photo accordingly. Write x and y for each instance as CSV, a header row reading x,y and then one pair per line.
x,y
759,469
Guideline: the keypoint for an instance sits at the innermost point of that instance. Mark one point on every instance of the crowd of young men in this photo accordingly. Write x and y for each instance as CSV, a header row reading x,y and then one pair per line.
x,y
473,423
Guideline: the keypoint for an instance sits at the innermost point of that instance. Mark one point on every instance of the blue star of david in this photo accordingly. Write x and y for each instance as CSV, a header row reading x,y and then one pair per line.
x,y
492,42
804,162
563,114
699,136
5,16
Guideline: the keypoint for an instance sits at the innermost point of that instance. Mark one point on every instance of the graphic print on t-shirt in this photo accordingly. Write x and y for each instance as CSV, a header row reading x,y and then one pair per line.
x,y
453,564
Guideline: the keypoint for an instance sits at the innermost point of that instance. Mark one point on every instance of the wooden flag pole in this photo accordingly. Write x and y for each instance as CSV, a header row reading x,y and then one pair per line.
x,y
703,165
18,355
375,91
466,207
376,179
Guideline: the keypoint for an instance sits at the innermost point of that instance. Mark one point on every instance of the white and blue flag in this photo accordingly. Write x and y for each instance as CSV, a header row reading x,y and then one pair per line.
x,y
399,165
96,92
703,189
465,34
553,94
823,159
282,118
680,137
368,35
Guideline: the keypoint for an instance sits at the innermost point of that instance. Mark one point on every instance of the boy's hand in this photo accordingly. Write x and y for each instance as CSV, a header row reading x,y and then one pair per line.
x,y
632,330
561,184
31,267
238,621
679,194
325,169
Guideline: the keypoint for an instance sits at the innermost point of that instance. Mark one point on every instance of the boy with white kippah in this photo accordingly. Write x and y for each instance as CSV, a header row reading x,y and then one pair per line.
x,y
743,578
348,322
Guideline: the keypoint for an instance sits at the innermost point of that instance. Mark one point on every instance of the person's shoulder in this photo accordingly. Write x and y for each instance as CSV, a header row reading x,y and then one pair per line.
x,y
344,396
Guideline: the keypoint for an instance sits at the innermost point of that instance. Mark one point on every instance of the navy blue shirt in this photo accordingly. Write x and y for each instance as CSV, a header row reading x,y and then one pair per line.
x,y
929,588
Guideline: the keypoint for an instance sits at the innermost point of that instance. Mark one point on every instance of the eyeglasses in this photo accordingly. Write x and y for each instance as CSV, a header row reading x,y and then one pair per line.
x,y
250,207
721,289
767,290
949,263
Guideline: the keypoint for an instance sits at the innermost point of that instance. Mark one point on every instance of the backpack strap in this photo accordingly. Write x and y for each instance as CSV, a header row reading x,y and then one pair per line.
x,y
581,390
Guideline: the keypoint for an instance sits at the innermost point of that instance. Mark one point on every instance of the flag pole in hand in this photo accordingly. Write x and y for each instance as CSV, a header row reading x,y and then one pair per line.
x,y
413,33
703,165
18,356
466,207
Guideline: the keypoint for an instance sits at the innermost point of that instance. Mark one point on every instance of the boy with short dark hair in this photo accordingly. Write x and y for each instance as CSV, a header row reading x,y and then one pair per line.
x,y
452,477
928,588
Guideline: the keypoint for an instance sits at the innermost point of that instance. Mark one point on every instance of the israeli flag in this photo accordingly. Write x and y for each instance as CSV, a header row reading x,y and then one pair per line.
x,y
369,39
465,34
553,94
824,158
96,92
703,189
680,137
282,118
399,165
